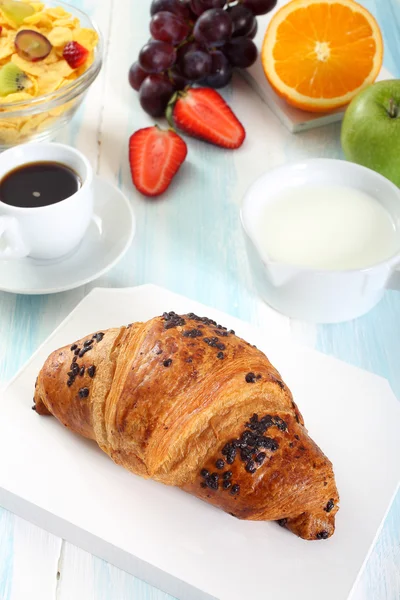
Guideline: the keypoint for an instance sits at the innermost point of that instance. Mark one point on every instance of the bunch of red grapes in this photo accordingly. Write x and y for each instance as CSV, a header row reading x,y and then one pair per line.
x,y
194,42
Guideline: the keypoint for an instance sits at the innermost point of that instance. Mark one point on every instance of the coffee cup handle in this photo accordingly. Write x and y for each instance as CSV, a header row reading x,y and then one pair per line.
x,y
11,243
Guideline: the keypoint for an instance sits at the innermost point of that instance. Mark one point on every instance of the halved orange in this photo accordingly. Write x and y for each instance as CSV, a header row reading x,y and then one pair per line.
x,y
318,54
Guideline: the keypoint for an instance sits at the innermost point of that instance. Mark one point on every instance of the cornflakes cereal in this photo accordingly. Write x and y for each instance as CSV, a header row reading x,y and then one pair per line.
x,y
33,89
59,36
57,12
48,121
32,124
80,70
72,23
60,110
8,135
8,124
51,58
85,37
59,68
47,83
41,20
5,21
17,97
46,75
7,44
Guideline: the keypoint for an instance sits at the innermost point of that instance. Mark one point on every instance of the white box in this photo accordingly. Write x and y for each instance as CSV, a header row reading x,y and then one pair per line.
x,y
193,551
294,119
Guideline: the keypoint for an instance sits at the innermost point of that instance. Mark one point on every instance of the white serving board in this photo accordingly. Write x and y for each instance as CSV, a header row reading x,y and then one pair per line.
x,y
294,119
174,541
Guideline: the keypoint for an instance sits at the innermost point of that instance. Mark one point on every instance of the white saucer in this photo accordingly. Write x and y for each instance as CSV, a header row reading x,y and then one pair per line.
x,y
108,238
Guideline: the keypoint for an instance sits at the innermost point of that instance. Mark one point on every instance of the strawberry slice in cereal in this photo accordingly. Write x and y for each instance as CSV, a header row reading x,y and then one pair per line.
x,y
75,54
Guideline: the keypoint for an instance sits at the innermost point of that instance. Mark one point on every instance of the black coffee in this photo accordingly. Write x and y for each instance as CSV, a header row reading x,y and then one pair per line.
x,y
38,184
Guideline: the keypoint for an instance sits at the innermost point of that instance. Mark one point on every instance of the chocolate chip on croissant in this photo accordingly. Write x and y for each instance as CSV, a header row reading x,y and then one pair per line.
x,y
184,401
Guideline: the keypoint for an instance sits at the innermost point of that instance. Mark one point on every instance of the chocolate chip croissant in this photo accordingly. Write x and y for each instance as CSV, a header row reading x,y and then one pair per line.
x,y
186,402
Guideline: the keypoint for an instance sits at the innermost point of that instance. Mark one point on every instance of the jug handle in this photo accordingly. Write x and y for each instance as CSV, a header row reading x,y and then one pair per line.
x,y
394,280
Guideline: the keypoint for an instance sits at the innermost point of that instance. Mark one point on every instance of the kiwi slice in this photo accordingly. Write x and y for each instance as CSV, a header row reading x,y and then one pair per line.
x,y
13,79
16,11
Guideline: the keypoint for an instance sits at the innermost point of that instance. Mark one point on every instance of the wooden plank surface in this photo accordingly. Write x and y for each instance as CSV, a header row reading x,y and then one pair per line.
x,y
190,242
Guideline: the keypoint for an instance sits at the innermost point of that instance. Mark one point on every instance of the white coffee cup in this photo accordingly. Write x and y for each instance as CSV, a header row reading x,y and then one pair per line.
x,y
47,232
320,296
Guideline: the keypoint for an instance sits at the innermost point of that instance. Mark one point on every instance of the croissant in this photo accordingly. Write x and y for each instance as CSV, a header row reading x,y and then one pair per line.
x,y
184,401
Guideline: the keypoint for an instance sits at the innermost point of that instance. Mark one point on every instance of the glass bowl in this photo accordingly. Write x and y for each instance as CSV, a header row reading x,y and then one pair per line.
x,y
41,118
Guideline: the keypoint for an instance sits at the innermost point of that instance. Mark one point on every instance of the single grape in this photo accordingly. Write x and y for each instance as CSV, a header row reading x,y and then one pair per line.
x,y
136,76
200,6
187,4
167,27
33,46
252,34
157,56
213,28
241,52
177,79
242,20
221,71
196,65
154,95
173,6
260,7
184,49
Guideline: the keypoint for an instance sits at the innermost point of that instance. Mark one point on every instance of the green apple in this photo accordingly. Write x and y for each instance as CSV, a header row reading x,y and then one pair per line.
x,y
371,129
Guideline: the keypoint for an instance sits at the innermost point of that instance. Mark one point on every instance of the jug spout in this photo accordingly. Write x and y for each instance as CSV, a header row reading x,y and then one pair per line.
x,y
279,273
275,274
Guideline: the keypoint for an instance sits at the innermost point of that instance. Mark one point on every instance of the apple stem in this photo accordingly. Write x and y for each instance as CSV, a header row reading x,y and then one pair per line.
x,y
393,109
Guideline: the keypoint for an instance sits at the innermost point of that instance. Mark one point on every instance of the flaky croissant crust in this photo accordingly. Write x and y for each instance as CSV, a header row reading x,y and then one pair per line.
x,y
186,402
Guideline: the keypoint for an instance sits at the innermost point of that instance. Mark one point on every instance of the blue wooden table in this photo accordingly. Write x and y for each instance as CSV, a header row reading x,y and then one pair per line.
x,y
190,242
